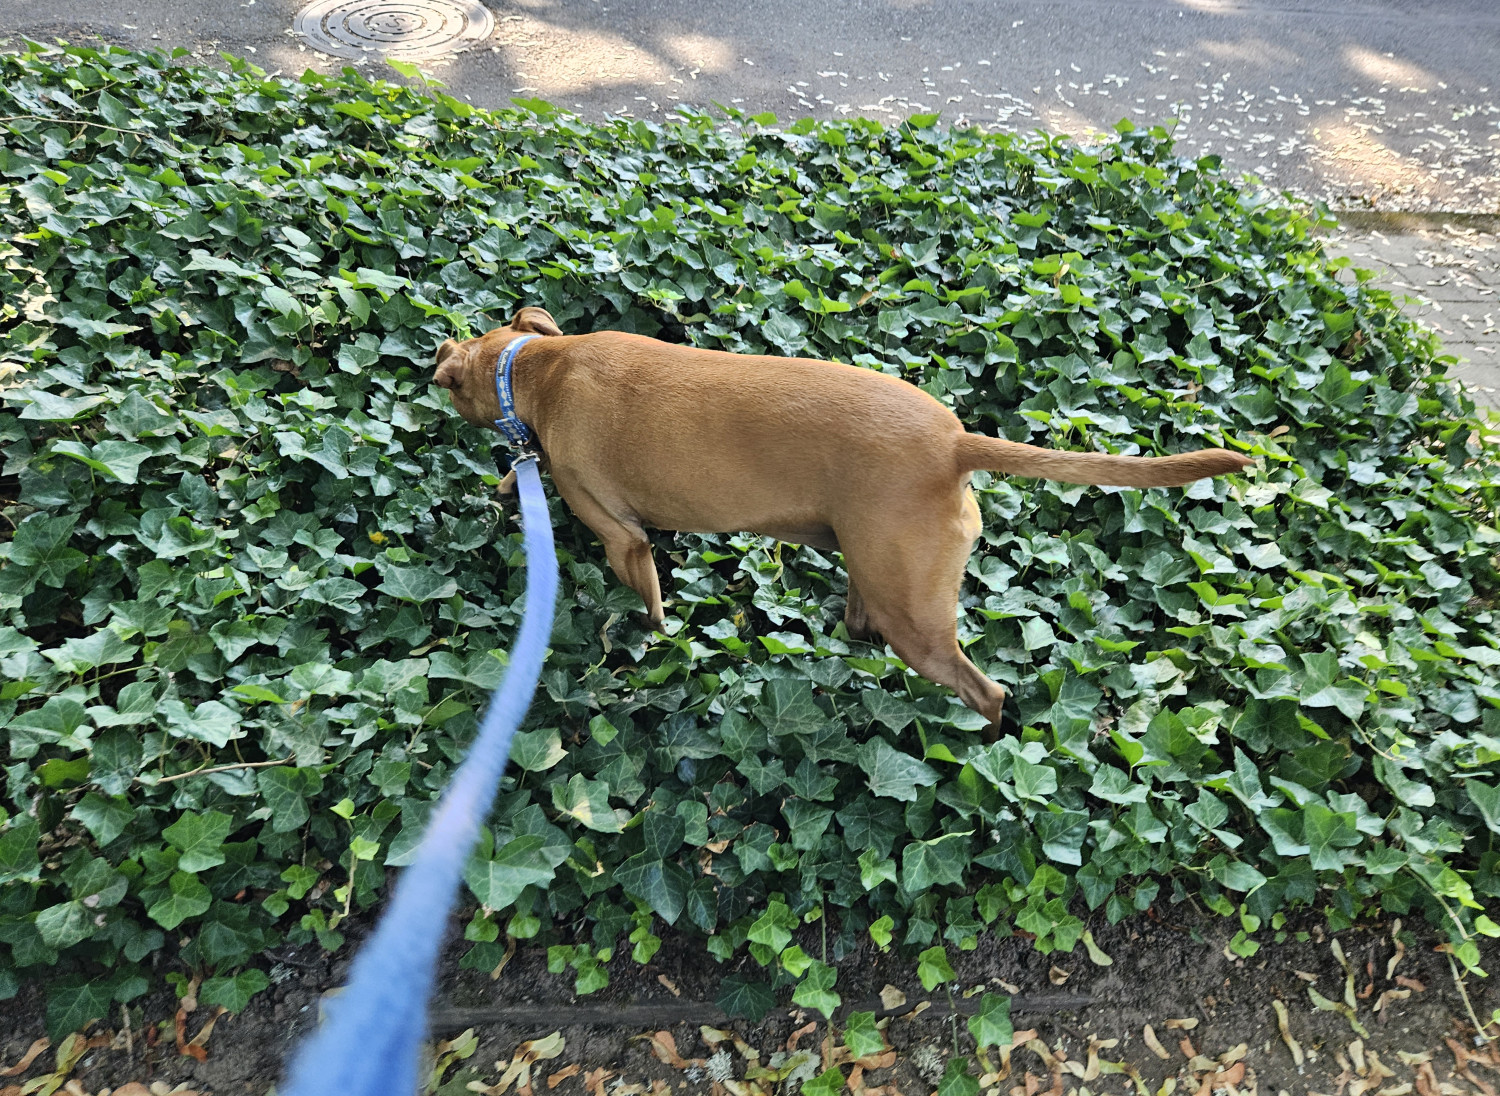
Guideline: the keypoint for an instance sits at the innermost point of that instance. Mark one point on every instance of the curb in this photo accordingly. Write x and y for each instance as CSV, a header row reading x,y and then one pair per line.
x,y
446,1021
1396,223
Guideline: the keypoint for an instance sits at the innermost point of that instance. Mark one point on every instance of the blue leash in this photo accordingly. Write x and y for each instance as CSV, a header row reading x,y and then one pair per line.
x,y
369,1044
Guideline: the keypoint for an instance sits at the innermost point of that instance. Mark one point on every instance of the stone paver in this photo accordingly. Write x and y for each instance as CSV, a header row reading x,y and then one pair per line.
x,y
1451,277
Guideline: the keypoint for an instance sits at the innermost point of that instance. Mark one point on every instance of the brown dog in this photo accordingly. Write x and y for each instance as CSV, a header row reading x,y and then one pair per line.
x,y
640,433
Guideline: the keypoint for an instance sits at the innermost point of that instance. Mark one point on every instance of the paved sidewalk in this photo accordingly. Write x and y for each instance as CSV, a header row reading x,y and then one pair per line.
x,y
1451,276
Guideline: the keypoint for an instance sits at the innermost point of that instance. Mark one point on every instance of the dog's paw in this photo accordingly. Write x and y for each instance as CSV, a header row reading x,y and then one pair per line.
x,y
508,484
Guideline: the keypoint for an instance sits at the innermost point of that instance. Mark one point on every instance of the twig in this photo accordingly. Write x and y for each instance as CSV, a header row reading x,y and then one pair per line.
x,y
225,769
1464,993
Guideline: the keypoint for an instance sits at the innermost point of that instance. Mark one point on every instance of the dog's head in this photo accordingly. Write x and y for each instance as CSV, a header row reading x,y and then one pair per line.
x,y
467,369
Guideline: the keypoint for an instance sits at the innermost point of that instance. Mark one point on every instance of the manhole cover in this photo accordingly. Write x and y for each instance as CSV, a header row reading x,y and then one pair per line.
x,y
408,30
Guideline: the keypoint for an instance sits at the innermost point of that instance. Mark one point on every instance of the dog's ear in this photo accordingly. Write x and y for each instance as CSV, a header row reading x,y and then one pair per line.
x,y
445,376
537,320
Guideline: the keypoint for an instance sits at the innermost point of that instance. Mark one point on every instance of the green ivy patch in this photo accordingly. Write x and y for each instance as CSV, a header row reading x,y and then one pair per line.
x,y
256,585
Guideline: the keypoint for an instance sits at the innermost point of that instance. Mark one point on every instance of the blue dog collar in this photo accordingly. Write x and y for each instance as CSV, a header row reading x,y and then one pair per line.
x,y
516,432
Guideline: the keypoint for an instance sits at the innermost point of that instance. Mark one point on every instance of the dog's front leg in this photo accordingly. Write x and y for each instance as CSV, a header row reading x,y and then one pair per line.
x,y
857,617
625,543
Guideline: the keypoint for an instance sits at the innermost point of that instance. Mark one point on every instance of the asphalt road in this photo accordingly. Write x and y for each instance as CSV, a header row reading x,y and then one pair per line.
x,y
1384,104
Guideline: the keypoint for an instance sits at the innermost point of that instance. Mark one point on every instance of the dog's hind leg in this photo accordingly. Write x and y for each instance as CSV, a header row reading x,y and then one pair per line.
x,y
908,586
625,543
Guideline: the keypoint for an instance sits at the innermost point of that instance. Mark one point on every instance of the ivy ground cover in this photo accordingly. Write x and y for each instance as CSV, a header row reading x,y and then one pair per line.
x,y
255,583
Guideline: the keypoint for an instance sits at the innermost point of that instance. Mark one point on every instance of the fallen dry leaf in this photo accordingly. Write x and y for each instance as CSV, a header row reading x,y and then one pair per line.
x,y
192,1050
796,1037
1187,1023
1410,983
555,1079
510,951
665,1048
30,1056
1391,995
916,1010
1186,1046
884,1060
1153,1044
714,1036
671,985
594,1080
1390,967
892,998
518,1072
1305,976
1427,1084
1225,1078
1044,1052
1284,1026
201,1039
1057,976
1233,1054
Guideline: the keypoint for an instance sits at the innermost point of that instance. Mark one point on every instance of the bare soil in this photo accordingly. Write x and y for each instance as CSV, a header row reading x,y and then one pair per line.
x,y
1209,1012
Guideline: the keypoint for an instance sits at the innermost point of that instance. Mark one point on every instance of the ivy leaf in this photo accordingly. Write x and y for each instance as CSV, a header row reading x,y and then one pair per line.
x,y
928,864
73,1001
816,991
892,773
957,1080
200,837
1325,831
661,884
933,968
828,1083
861,1035
788,707
233,992
64,925
991,1025
183,897
1487,798
119,460
745,998
516,865
537,751
586,801
105,816
417,584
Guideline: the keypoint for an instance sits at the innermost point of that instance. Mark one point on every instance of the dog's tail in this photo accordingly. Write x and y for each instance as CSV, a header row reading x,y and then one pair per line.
x,y
976,451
